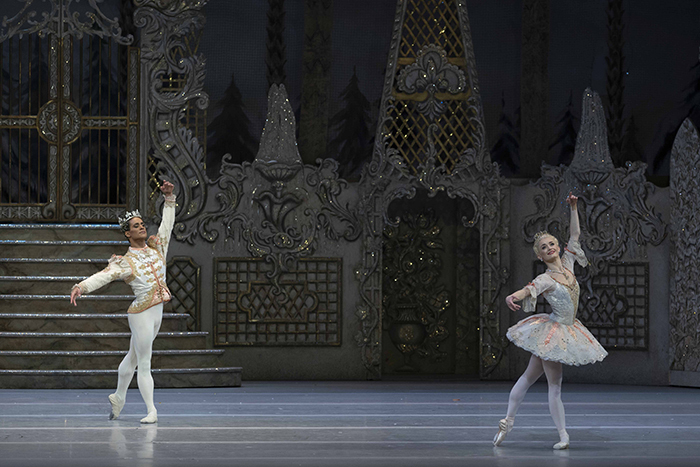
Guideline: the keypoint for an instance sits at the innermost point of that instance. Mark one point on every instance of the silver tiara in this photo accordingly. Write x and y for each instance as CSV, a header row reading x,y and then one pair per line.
x,y
124,221
540,234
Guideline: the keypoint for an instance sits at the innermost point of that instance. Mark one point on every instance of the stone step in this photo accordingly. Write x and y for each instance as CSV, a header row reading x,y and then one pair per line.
x,y
83,322
61,249
103,359
51,266
107,379
45,342
96,340
90,303
54,285
61,232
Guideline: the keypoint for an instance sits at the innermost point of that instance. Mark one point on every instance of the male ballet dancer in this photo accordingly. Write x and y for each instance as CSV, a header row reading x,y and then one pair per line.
x,y
143,268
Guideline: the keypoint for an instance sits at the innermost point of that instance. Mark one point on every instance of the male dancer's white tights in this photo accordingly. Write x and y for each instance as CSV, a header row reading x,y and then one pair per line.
x,y
144,329
553,371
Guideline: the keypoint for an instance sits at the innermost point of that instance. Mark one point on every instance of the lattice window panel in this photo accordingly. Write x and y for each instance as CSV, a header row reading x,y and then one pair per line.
x,y
621,319
431,22
184,282
407,131
250,312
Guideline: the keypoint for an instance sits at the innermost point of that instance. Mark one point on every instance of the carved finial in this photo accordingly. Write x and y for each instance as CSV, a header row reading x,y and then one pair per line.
x,y
278,140
592,153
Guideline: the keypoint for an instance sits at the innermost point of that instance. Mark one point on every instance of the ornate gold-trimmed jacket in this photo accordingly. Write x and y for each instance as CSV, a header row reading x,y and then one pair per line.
x,y
142,268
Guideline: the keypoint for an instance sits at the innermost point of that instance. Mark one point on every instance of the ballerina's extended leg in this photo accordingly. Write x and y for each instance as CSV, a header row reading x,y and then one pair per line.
x,y
532,373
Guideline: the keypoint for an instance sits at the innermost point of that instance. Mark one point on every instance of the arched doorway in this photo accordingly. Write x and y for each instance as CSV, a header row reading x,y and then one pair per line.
x,y
430,288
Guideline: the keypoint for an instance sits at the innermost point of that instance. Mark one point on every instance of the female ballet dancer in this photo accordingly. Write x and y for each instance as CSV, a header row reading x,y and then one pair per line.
x,y
553,339
143,268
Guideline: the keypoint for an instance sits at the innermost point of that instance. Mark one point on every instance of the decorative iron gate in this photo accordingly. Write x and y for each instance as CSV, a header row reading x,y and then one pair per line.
x,y
69,115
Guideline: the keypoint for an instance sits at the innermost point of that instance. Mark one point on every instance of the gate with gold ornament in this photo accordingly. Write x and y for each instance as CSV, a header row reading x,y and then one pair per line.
x,y
69,114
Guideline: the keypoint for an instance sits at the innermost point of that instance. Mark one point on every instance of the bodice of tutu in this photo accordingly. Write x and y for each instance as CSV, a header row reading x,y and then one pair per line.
x,y
562,297
564,302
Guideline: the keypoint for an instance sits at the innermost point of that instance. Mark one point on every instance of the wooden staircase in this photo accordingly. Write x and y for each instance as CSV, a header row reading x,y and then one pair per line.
x,y
45,342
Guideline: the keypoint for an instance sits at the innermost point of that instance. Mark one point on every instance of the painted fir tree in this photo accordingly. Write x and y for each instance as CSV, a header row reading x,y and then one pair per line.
x,y
506,150
565,141
352,145
229,132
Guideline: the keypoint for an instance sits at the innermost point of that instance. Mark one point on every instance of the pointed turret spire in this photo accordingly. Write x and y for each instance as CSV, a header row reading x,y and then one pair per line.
x,y
278,140
592,162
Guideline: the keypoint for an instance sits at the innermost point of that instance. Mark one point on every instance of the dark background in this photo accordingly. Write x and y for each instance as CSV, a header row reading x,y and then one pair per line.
x,y
661,45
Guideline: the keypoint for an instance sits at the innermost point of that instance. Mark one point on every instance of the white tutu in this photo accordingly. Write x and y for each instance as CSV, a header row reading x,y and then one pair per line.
x,y
550,340
559,336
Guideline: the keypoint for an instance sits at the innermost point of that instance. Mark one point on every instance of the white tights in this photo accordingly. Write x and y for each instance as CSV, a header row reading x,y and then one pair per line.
x,y
553,371
144,329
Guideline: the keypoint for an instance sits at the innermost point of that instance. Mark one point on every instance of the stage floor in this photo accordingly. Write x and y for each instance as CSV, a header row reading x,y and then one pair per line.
x,y
350,424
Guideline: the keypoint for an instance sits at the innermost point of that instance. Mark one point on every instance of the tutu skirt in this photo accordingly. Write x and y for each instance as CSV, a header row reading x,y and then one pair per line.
x,y
570,344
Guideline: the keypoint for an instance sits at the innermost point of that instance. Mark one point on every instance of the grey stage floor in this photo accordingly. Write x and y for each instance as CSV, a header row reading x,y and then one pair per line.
x,y
350,424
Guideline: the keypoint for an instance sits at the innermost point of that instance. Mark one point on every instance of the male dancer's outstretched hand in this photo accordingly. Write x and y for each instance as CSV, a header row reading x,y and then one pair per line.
x,y
75,293
167,188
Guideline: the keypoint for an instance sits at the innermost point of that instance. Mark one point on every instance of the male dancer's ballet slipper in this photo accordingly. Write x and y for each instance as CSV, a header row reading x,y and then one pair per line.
x,y
503,430
563,444
117,405
152,417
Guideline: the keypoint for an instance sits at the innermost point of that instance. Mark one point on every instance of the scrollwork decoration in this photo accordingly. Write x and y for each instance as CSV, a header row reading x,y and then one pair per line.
x,y
332,213
275,205
432,74
59,19
164,27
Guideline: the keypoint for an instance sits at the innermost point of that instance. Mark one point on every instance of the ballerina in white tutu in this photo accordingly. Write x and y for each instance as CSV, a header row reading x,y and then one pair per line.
x,y
553,339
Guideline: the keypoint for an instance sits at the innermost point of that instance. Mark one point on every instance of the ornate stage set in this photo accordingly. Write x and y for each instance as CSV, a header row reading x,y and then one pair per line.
x,y
287,270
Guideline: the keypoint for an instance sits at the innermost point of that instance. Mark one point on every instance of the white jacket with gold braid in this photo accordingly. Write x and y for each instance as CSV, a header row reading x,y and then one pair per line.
x,y
142,268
